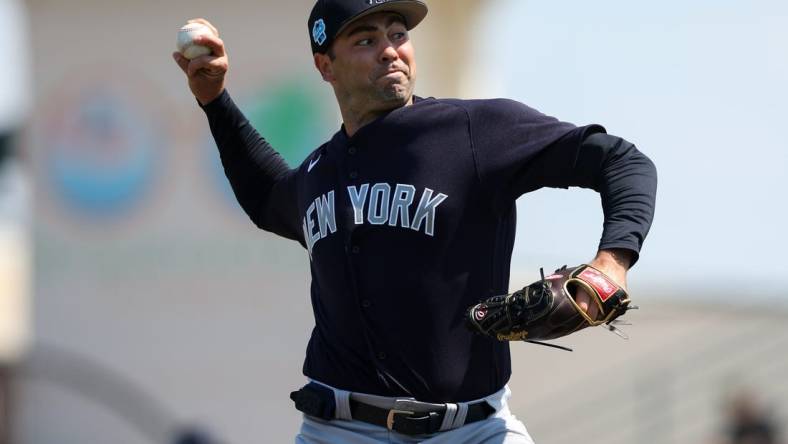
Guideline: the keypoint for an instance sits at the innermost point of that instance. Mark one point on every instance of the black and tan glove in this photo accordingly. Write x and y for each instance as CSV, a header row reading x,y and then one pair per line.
x,y
547,309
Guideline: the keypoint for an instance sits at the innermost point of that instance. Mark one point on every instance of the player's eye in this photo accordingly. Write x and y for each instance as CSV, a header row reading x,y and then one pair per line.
x,y
399,36
364,42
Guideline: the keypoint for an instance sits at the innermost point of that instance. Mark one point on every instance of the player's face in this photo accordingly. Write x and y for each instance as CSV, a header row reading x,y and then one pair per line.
x,y
373,66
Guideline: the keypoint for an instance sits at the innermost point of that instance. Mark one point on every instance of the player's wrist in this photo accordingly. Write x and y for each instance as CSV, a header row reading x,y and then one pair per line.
x,y
205,100
614,262
618,256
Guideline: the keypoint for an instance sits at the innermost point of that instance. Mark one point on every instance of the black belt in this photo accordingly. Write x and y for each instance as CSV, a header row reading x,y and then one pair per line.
x,y
318,400
413,423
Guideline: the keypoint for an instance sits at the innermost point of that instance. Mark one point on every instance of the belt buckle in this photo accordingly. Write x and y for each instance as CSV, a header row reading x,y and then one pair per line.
x,y
390,417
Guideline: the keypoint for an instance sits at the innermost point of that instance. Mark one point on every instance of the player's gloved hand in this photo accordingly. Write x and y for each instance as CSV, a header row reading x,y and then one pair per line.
x,y
547,309
614,264
206,73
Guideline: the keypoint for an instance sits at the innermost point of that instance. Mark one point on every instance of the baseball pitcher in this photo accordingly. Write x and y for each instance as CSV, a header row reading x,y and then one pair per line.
x,y
407,216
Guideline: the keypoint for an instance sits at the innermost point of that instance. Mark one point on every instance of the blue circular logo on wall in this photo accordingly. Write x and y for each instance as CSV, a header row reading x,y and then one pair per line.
x,y
102,155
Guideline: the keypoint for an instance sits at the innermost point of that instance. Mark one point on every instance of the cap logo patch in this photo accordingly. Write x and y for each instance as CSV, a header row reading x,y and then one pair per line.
x,y
319,32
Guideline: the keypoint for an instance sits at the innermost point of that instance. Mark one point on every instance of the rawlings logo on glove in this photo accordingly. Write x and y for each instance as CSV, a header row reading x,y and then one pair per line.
x,y
547,309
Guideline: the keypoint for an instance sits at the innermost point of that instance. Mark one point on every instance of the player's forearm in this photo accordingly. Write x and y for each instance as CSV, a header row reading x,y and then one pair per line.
x,y
627,183
250,163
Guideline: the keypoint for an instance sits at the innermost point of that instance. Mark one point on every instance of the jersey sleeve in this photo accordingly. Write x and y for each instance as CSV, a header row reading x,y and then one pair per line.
x,y
507,136
539,151
265,186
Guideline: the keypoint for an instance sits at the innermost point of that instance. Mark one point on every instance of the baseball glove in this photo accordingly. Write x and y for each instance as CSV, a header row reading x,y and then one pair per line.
x,y
547,309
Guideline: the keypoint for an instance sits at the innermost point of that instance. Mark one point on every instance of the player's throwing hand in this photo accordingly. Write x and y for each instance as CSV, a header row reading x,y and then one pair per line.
x,y
205,73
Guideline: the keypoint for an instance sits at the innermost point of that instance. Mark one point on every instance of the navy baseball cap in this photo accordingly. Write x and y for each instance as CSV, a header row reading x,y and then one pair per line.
x,y
330,17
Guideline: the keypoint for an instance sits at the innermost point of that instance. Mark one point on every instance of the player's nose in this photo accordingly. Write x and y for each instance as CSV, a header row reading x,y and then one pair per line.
x,y
388,53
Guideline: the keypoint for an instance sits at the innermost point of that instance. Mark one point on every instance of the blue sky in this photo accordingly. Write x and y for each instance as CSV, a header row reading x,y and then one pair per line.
x,y
698,86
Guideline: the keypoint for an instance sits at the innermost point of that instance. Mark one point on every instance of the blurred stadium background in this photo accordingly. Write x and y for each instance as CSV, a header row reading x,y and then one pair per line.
x,y
136,302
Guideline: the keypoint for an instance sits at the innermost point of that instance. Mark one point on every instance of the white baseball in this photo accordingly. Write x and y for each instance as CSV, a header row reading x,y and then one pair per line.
x,y
185,42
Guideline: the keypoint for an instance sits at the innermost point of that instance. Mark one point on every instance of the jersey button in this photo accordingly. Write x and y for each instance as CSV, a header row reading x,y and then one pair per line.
x,y
351,150
366,303
355,249
353,175
382,355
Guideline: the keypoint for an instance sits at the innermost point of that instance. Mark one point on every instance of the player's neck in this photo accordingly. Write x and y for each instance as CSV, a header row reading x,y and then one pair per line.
x,y
354,120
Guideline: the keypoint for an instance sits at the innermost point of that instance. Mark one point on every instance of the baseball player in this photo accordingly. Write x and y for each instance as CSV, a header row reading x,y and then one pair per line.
x,y
407,215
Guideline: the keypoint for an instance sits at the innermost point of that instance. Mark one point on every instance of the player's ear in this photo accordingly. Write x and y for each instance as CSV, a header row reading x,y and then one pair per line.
x,y
324,66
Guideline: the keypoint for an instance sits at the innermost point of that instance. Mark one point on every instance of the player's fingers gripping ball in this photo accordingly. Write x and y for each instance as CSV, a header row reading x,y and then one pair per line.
x,y
185,41
547,309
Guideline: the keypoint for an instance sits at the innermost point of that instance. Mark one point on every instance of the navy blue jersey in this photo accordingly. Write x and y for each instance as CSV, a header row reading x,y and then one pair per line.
x,y
411,220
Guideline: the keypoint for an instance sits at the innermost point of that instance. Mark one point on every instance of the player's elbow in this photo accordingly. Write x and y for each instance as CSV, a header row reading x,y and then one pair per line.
x,y
621,157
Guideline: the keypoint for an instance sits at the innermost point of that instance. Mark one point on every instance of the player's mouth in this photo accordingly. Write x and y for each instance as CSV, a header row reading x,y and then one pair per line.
x,y
392,73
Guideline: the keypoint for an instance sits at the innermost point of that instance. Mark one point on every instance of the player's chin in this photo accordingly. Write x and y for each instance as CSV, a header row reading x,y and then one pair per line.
x,y
396,93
